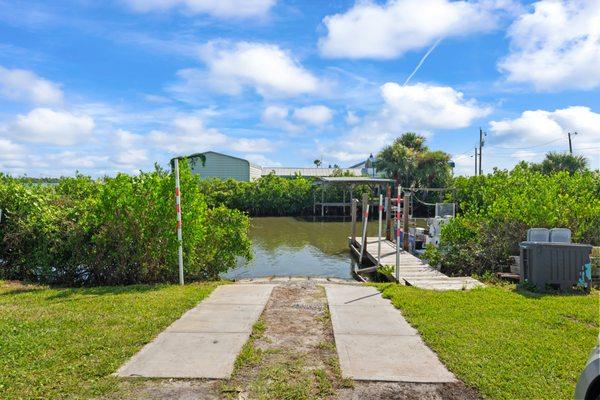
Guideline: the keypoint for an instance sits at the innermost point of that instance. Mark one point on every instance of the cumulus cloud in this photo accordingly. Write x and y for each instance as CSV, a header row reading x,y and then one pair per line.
x,y
317,115
427,106
556,46
128,149
60,128
23,85
217,8
547,130
419,107
383,31
189,135
266,68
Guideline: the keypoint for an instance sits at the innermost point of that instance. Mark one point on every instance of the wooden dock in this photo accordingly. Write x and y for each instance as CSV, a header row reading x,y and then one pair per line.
x,y
413,271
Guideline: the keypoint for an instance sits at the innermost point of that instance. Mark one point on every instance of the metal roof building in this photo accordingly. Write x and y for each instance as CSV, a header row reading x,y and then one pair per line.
x,y
315,172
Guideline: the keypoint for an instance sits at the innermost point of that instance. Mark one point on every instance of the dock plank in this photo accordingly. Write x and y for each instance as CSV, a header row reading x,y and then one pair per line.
x,y
413,271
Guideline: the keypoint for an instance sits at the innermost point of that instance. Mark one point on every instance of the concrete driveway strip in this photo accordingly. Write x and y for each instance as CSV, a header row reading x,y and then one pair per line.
x,y
206,340
375,343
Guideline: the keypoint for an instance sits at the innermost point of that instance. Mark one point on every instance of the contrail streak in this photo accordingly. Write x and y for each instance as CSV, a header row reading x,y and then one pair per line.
x,y
422,61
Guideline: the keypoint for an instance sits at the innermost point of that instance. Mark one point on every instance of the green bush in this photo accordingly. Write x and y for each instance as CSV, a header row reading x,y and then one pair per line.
x,y
118,230
272,195
496,210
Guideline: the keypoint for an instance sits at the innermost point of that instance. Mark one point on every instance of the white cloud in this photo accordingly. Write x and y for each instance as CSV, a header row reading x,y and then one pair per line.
x,y
23,85
557,46
317,115
217,8
61,128
425,106
266,68
352,118
383,31
418,107
260,159
278,117
128,149
188,135
539,131
261,145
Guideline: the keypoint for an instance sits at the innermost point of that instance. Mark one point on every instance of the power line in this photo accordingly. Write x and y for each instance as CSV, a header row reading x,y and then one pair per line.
x,y
528,147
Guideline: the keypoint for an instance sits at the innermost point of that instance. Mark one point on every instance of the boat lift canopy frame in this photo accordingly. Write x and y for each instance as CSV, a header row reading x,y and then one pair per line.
x,y
349,182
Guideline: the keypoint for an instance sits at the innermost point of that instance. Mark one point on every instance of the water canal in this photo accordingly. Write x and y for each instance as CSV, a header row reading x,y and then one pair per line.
x,y
290,246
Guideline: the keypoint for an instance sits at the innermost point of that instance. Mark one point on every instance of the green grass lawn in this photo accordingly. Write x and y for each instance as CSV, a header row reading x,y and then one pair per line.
x,y
65,343
505,343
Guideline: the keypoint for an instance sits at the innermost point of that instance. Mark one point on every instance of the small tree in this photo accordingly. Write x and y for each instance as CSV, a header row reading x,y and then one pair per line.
x,y
317,162
555,162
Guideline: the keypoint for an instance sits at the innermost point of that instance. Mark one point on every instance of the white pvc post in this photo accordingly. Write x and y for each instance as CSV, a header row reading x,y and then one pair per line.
x,y
398,235
179,233
364,232
379,233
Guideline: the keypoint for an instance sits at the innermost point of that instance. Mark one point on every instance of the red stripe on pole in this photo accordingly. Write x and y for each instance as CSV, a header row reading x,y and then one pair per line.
x,y
177,192
177,208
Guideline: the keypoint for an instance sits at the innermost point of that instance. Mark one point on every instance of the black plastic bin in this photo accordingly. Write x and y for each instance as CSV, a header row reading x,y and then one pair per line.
x,y
556,265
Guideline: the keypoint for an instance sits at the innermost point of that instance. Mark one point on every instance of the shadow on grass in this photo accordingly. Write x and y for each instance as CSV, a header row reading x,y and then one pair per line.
x,y
66,292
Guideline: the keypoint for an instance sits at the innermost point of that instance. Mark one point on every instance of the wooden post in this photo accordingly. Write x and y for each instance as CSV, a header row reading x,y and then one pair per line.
x,y
314,202
405,211
388,212
179,222
353,210
344,202
398,235
323,200
365,214
379,230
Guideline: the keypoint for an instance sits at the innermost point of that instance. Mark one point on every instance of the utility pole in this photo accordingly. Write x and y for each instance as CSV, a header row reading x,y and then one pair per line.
x,y
481,134
570,144
476,161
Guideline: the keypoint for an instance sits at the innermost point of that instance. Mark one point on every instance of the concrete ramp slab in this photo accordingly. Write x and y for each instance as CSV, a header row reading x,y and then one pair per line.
x,y
375,343
206,340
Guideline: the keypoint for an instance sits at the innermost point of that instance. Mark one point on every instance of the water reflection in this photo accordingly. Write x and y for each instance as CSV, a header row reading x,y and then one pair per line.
x,y
287,246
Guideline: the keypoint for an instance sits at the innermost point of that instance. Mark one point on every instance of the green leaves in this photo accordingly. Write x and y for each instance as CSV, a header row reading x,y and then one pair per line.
x,y
117,230
497,209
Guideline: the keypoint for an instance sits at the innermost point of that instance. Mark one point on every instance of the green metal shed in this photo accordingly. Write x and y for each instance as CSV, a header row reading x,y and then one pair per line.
x,y
223,166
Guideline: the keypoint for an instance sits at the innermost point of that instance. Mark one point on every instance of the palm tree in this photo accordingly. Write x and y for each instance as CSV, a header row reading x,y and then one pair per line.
x,y
410,162
317,162
555,162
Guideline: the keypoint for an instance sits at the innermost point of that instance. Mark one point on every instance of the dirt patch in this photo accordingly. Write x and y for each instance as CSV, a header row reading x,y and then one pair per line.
x,y
292,352
407,391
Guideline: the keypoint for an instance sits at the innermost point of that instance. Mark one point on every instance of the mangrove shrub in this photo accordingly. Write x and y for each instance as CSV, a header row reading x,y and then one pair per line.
x,y
117,230
495,211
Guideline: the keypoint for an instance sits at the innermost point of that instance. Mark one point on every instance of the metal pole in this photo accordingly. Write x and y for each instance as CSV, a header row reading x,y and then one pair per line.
x,y
480,146
405,216
570,144
398,235
476,170
179,233
379,233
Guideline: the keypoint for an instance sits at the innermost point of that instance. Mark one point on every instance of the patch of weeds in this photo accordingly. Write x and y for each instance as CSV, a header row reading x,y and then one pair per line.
x,y
285,380
323,383
325,316
326,346
250,355
334,365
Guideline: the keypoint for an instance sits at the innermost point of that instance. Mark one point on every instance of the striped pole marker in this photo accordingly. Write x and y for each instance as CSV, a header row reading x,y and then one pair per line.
x,y
398,235
379,232
179,233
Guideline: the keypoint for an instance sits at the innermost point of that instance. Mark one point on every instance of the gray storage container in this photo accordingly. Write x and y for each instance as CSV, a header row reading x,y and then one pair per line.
x,y
560,265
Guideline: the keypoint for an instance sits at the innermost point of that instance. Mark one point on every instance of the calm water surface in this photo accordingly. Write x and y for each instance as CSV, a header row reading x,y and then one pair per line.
x,y
288,246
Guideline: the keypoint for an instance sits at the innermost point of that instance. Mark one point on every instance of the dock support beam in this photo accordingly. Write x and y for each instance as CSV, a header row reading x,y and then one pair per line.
x,y
353,211
405,211
365,213
379,230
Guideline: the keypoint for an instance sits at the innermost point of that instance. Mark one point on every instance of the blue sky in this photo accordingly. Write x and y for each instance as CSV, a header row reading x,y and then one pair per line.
x,y
103,87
